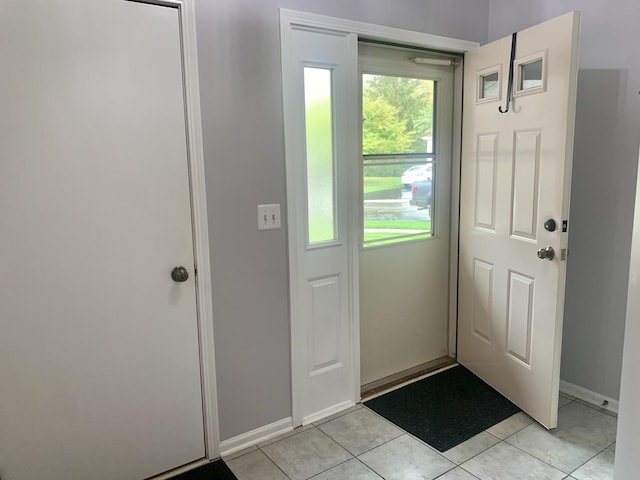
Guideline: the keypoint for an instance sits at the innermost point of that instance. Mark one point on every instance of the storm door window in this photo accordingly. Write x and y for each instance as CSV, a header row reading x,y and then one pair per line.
x,y
398,158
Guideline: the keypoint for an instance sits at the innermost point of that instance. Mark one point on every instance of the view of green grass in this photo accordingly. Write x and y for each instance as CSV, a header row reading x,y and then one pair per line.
x,y
324,231
376,239
398,224
376,236
398,116
376,184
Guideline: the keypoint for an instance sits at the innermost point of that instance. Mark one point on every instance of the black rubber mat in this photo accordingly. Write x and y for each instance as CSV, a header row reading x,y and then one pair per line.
x,y
217,470
445,409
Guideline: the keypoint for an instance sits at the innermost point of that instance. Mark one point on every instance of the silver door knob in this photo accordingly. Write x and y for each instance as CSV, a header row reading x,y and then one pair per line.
x,y
179,274
546,252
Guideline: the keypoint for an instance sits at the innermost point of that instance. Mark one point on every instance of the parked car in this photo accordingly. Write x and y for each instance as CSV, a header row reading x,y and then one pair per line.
x,y
421,194
417,173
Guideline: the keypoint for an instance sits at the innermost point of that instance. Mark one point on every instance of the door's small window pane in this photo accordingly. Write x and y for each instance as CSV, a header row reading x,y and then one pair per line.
x,y
319,136
489,86
531,75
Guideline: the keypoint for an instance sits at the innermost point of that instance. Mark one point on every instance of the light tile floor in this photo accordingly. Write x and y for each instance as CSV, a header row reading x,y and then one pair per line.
x,y
359,444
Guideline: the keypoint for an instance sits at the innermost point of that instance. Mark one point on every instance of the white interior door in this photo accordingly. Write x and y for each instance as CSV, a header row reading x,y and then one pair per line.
x,y
516,171
99,356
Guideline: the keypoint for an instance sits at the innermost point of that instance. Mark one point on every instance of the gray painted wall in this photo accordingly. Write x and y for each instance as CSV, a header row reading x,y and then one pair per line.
x,y
239,59
604,179
244,154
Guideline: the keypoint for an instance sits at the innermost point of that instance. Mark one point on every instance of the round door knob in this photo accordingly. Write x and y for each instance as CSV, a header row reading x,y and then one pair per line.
x,y
547,253
179,274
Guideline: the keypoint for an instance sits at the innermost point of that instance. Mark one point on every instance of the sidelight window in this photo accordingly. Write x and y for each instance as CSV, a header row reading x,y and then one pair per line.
x,y
320,155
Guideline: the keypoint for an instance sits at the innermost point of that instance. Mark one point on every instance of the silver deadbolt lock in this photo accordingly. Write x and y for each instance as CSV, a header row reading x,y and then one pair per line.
x,y
179,274
546,252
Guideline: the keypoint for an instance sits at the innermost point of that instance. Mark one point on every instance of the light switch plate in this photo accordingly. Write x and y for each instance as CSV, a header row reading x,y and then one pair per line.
x,y
269,216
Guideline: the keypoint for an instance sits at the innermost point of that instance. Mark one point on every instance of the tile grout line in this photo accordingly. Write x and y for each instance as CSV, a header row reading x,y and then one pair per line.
x,y
383,443
549,464
335,416
580,466
442,453
460,467
474,456
337,443
324,471
371,468
285,438
540,460
271,460
402,432
286,435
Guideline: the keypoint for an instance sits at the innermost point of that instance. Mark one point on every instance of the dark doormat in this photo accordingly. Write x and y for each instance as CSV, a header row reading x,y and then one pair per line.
x,y
445,409
217,470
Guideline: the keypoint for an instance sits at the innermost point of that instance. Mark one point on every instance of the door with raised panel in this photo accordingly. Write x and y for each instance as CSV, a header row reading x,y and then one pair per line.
x,y
516,172
320,109
99,353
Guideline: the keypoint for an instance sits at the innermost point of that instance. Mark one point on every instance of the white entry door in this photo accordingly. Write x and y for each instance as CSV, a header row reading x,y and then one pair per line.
x,y
99,352
516,171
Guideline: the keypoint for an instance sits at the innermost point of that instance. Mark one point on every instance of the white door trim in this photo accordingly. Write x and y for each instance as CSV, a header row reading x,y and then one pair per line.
x,y
456,161
288,20
200,224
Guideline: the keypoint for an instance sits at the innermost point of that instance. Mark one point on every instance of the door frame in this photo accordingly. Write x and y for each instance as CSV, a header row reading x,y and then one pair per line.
x,y
288,20
202,267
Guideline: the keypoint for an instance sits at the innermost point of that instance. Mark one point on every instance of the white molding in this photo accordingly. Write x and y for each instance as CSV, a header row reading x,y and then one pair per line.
x,y
200,224
328,412
589,396
456,158
289,146
253,437
377,32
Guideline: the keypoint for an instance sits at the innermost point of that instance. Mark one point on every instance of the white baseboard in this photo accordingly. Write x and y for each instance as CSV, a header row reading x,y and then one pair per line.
x,y
588,396
327,412
262,434
253,437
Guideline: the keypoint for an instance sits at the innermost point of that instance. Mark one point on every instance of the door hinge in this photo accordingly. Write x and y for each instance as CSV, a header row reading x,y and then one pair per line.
x,y
565,224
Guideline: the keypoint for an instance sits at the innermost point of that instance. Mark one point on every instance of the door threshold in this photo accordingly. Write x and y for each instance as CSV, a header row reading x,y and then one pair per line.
x,y
393,382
